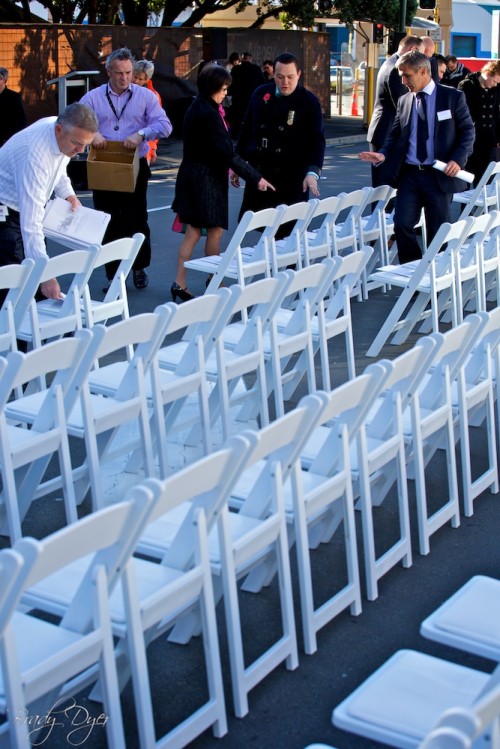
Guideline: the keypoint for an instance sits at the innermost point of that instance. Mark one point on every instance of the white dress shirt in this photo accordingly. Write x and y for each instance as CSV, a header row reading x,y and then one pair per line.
x,y
31,168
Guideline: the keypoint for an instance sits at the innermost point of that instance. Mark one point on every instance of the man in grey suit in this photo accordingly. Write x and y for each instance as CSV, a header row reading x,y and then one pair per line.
x,y
432,122
388,91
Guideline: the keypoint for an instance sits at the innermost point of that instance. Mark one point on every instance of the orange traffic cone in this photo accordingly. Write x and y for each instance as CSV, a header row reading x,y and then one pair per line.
x,y
354,107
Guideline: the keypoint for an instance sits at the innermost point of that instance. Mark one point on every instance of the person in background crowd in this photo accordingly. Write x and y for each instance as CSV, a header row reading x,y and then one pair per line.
x,y
201,189
441,66
455,73
483,99
389,90
245,79
268,70
234,59
429,50
432,122
33,166
143,71
283,137
12,114
131,114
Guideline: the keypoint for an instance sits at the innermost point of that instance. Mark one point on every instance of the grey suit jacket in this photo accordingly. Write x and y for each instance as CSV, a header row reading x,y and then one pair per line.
x,y
389,89
453,136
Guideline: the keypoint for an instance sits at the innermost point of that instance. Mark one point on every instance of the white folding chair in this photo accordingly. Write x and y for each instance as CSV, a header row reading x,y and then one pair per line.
x,y
104,409
42,662
428,423
53,318
318,237
325,490
246,537
375,226
151,596
379,462
345,235
468,727
468,284
334,317
20,283
473,404
182,367
318,283
422,282
484,197
468,620
239,350
489,264
25,453
401,702
289,250
115,303
243,260
287,347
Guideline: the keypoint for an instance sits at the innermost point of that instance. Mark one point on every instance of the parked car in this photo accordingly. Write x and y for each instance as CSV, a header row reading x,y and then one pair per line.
x,y
347,78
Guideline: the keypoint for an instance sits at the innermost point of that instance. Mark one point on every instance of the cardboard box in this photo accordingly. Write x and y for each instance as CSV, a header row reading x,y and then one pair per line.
x,y
113,168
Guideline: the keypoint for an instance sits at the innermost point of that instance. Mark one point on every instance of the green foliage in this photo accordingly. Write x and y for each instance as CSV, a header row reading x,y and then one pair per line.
x,y
290,12
385,11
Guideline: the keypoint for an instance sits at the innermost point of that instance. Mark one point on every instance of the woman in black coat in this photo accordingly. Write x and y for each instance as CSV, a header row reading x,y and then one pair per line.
x,y
483,100
201,190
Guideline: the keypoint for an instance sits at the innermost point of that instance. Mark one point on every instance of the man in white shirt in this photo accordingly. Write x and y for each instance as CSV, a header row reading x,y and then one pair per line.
x,y
32,167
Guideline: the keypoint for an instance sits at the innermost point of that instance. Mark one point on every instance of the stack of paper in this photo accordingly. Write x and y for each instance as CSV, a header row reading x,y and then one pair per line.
x,y
74,229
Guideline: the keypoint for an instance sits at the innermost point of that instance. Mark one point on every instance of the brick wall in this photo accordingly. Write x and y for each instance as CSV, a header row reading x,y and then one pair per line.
x,y
35,54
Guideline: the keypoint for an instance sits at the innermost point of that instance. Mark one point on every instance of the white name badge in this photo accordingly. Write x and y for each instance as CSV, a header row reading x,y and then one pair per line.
x,y
444,115
4,212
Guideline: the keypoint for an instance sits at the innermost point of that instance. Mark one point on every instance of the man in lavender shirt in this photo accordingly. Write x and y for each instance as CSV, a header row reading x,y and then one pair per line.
x,y
133,115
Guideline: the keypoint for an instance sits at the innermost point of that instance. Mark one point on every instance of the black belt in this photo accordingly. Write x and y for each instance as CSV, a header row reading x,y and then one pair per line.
x,y
420,167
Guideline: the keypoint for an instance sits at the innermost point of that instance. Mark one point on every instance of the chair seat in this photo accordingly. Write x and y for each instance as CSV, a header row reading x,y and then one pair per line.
x,y
401,702
469,619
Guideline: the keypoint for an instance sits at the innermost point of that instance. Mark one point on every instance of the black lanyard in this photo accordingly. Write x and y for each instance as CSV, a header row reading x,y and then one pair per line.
x,y
118,116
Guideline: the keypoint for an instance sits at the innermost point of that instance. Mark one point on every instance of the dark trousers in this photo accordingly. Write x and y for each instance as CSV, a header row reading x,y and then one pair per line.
x,y
129,215
11,244
418,189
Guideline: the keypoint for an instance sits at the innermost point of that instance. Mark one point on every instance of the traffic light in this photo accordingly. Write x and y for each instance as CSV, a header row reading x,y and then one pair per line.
x,y
378,33
427,4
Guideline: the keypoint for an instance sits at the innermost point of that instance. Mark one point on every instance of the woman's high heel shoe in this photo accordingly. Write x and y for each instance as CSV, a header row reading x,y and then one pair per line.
x,y
183,294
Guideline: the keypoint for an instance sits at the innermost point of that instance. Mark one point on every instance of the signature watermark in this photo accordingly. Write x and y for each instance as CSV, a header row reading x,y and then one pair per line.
x,y
68,716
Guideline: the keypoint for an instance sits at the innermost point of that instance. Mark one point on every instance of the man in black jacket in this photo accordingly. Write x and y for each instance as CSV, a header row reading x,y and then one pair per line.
x,y
12,114
388,91
246,77
282,136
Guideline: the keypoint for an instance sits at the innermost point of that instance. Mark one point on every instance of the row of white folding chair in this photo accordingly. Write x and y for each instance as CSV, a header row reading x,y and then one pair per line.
x,y
484,197
429,286
25,454
51,318
236,542
310,421
417,412
477,268
68,407
145,598
108,401
317,229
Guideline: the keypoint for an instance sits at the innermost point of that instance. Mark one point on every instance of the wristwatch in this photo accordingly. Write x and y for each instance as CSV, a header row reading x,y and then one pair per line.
x,y
142,134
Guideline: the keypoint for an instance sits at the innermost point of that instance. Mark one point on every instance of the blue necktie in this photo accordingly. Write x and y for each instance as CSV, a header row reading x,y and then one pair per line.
x,y
422,127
